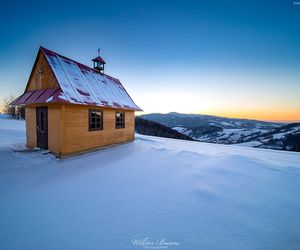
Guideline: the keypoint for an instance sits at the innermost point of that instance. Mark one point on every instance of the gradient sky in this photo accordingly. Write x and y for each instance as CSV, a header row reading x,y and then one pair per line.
x,y
228,58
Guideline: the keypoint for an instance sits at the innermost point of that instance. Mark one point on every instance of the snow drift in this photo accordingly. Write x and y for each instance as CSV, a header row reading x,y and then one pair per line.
x,y
202,196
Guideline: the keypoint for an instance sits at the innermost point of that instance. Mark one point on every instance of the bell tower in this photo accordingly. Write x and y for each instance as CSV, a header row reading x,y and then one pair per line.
x,y
99,63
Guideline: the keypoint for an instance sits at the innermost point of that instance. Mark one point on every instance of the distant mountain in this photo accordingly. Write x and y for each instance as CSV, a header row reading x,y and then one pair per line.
x,y
146,127
174,119
214,129
209,128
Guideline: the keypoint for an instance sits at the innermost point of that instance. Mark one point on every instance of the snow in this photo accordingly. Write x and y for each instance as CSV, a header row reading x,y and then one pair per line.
x,y
226,124
184,131
4,116
82,85
200,195
237,133
179,129
285,133
62,78
11,132
226,136
49,99
95,87
62,97
105,88
279,136
250,144
76,81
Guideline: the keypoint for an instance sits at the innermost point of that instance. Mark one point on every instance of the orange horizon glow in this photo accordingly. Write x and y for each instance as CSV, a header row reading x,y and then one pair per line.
x,y
243,116
290,118
283,116
275,115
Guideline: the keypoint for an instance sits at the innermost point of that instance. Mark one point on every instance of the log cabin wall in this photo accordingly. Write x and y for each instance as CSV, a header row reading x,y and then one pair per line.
x,y
68,128
78,137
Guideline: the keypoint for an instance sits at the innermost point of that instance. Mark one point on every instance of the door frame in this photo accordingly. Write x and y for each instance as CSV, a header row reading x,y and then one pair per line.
x,y
42,142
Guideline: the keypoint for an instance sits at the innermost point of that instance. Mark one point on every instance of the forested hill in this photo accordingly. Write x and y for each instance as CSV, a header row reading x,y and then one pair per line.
x,y
146,127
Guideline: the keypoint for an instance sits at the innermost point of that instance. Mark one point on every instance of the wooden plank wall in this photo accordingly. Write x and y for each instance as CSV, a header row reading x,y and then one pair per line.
x,y
79,138
68,128
54,128
41,76
30,113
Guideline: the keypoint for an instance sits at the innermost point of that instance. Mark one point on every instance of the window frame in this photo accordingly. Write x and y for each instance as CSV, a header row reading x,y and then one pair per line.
x,y
116,118
90,120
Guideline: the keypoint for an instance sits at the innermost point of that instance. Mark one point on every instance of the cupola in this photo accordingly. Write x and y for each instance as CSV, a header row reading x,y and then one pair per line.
x,y
99,63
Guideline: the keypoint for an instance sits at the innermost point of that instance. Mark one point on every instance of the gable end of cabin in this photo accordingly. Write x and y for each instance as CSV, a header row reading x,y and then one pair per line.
x,y
41,76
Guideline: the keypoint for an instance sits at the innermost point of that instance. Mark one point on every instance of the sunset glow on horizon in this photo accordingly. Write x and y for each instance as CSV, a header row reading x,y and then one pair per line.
x,y
266,115
259,95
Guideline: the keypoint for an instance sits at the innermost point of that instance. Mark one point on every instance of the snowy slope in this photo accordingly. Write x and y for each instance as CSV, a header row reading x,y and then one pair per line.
x,y
215,129
286,137
202,196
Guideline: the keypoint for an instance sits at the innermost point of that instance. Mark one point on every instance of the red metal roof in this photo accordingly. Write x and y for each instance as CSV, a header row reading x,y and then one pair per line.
x,y
79,84
99,59
40,96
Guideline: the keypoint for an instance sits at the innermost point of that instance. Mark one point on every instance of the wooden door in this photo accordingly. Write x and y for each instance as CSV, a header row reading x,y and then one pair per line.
x,y
42,127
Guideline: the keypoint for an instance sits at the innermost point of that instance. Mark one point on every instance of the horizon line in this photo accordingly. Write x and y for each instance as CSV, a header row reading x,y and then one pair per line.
x,y
229,117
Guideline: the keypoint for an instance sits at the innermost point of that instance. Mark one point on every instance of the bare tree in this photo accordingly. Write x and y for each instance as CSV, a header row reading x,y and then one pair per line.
x,y
7,108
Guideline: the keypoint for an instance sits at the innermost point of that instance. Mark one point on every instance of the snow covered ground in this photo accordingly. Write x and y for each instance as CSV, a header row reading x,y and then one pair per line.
x,y
193,195
226,136
11,131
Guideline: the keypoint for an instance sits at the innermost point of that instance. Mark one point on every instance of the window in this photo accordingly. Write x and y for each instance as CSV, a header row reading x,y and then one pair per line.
x,y
95,119
120,120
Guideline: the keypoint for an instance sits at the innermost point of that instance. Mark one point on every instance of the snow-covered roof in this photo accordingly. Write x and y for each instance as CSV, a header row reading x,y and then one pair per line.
x,y
80,84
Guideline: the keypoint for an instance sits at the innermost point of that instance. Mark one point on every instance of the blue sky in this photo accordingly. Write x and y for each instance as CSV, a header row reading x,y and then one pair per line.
x,y
231,58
